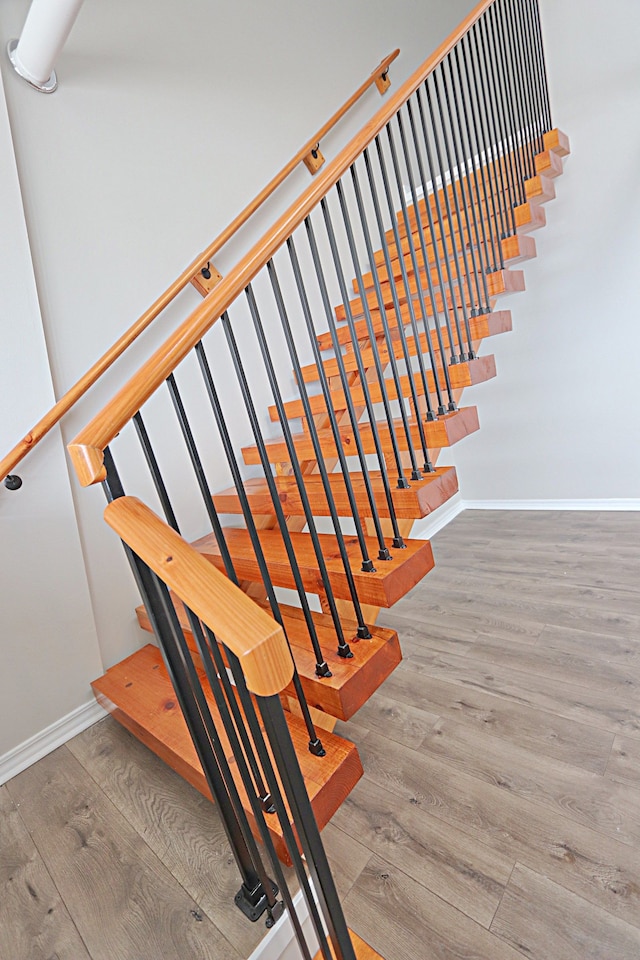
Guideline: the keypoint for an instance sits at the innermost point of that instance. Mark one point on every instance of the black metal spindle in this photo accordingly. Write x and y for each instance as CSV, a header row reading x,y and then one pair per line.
x,y
438,78
315,745
386,185
473,192
367,564
534,73
389,341
164,621
505,83
363,630
447,309
218,531
465,192
487,114
513,41
154,469
542,66
492,212
457,240
353,416
403,483
422,299
398,542
306,826
520,32
496,99
343,646
383,551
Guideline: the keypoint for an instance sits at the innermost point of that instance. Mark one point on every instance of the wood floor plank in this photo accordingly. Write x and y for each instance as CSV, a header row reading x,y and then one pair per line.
x,y
396,720
624,763
464,872
442,618
598,707
543,732
602,870
34,922
403,920
124,902
588,798
543,920
182,827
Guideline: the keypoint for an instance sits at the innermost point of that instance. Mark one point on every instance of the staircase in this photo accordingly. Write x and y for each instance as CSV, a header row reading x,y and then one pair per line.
x,y
138,691
379,287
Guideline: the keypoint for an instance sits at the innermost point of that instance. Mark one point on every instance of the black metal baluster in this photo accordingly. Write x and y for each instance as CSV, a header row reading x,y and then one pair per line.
x,y
497,108
343,646
464,246
492,212
508,104
542,66
335,430
526,60
154,469
218,531
353,417
466,194
440,174
473,196
315,745
421,294
164,622
446,309
491,138
515,59
403,483
306,826
428,467
409,297
383,552
363,630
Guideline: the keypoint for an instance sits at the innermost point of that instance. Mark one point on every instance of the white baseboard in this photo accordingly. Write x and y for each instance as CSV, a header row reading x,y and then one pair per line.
x,y
280,942
621,503
431,524
38,746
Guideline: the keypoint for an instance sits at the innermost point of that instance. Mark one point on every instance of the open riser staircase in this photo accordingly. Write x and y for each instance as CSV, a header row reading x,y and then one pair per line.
x,y
289,434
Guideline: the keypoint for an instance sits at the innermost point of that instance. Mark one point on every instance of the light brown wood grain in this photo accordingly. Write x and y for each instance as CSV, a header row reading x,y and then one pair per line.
x,y
362,950
248,631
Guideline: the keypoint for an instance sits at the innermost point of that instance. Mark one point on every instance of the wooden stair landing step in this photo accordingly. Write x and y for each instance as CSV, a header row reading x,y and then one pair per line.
x,y
352,681
443,432
382,587
139,695
413,503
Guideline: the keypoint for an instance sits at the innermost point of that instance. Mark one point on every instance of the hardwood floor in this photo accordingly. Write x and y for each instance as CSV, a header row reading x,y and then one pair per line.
x,y
499,814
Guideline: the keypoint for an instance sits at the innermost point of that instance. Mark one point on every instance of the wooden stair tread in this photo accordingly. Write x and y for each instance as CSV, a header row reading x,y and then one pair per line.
x,y
486,325
461,375
138,693
514,250
499,282
414,503
390,581
443,432
352,681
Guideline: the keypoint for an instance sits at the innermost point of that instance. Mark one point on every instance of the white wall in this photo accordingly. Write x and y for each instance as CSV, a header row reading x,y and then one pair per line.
x,y
169,117
561,420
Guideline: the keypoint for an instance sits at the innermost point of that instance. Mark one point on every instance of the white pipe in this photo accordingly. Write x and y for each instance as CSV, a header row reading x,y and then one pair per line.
x,y
44,34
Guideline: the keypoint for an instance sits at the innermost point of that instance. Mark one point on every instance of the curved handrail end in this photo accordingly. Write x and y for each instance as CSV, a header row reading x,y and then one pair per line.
x,y
88,462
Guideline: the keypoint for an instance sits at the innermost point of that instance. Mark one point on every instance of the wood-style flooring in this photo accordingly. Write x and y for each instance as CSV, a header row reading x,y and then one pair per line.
x,y
499,814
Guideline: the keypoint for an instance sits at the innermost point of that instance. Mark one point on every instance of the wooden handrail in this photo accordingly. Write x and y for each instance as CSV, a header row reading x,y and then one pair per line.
x,y
255,638
87,448
64,404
